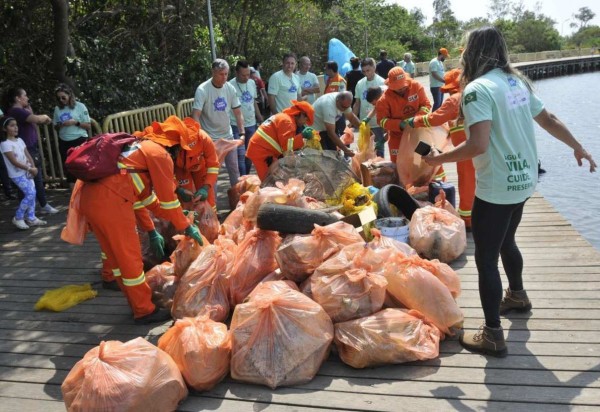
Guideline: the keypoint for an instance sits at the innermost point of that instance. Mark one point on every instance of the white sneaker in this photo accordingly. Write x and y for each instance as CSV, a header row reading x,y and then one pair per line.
x,y
20,223
36,222
49,209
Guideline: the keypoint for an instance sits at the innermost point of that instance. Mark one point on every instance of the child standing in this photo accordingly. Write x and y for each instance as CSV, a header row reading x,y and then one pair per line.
x,y
19,165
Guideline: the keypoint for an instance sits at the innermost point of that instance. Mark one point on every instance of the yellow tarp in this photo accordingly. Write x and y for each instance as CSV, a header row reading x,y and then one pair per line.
x,y
65,297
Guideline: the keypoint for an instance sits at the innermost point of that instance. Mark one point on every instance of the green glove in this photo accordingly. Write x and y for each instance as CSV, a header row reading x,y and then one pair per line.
x,y
157,244
193,232
366,119
308,133
202,193
403,124
411,122
183,194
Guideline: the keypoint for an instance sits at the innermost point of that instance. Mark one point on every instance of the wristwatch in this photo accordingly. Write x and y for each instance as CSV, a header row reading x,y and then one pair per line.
x,y
78,124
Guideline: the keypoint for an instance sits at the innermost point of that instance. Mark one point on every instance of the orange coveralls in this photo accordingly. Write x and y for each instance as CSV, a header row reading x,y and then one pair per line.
x,y
198,166
449,112
274,136
109,203
334,83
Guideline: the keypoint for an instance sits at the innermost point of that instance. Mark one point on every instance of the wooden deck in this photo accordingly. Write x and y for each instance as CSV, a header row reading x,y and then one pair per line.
x,y
554,352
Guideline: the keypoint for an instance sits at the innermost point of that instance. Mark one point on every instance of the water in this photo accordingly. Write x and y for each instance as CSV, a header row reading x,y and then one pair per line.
x,y
572,190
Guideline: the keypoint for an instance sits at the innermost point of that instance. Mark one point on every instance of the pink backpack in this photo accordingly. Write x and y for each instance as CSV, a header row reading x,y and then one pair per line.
x,y
98,157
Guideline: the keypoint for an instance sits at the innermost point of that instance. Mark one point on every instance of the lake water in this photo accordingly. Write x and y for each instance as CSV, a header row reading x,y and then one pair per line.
x,y
572,190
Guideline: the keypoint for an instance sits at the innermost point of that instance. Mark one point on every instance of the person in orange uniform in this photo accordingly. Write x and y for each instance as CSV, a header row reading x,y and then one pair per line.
x,y
197,169
449,112
108,205
277,135
404,98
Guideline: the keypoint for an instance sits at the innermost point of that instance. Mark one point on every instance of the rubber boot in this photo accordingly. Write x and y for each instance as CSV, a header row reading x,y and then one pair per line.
x,y
489,341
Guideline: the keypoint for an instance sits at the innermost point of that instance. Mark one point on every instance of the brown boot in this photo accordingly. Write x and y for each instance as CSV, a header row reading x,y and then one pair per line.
x,y
489,341
515,300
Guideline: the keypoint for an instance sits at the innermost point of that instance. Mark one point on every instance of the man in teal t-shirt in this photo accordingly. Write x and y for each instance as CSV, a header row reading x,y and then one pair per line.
x,y
436,78
284,85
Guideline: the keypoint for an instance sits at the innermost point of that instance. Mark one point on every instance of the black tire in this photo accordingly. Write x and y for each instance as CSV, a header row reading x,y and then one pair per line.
x,y
397,196
291,219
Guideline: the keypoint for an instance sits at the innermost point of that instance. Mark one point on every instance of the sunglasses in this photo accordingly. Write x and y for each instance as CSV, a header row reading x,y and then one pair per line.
x,y
62,98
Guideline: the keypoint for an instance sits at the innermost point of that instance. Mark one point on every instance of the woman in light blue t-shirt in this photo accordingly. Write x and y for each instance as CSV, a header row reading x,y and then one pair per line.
x,y
499,109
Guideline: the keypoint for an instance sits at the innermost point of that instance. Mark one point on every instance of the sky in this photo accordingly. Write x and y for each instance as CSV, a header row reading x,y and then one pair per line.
x,y
560,11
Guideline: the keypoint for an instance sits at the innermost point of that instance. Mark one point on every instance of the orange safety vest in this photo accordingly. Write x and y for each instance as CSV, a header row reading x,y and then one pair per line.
x,y
335,83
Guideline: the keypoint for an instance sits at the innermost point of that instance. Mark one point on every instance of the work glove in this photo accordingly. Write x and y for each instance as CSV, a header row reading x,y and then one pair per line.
x,y
411,121
157,244
308,133
202,193
184,195
366,119
193,232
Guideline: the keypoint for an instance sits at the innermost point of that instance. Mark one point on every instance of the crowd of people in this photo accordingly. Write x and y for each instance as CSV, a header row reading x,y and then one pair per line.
x,y
490,111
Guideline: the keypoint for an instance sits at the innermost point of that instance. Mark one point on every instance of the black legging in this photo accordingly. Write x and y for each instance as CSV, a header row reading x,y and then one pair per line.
x,y
494,227
63,147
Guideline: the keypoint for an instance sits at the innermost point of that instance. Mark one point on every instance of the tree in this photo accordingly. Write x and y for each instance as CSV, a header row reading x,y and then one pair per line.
x,y
499,9
584,16
60,14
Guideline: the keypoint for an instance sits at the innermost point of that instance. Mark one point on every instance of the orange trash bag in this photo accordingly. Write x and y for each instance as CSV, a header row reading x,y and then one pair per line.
x,y
254,260
299,255
279,337
201,348
76,228
204,288
412,170
417,288
390,336
208,222
444,273
437,234
185,253
163,282
130,376
224,146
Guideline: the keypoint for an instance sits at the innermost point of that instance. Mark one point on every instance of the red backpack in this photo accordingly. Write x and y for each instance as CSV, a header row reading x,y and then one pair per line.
x,y
98,157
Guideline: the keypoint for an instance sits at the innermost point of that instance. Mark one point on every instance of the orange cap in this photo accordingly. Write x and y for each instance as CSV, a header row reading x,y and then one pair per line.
x,y
444,51
452,80
301,107
397,79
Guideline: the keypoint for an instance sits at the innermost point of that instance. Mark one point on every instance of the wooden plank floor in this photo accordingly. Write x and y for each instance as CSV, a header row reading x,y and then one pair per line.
x,y
553,365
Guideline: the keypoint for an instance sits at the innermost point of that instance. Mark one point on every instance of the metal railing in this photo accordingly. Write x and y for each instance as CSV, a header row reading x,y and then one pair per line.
x,y
184,108
138,119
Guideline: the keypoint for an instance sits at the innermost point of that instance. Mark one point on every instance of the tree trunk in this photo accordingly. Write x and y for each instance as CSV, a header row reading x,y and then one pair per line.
x,y
60,15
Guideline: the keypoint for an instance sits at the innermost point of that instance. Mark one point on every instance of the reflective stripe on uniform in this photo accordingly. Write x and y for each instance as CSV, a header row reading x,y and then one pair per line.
x,y
212,170
138,206
269,140
383,122
116,272
425,109
135,281
464,213
290,144
426,121
137,182
102,255
457,129
150,199
170,205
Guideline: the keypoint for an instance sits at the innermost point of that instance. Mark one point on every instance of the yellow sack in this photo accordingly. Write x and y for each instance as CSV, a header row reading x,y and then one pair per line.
x,y
315,142
364,137
355,198
65,297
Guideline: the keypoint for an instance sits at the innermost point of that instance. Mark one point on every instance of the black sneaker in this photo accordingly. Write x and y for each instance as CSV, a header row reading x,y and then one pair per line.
x,y
159,315
111,285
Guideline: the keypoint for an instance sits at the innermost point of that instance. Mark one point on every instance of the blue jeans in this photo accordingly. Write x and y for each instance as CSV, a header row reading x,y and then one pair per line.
x,y
244,164
494,227
438,97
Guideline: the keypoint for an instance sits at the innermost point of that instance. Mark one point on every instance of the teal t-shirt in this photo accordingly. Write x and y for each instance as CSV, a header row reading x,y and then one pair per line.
x,y
284,88
507,172
308,80
408,67
436,66
79,113
246,94
215,104
362,87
